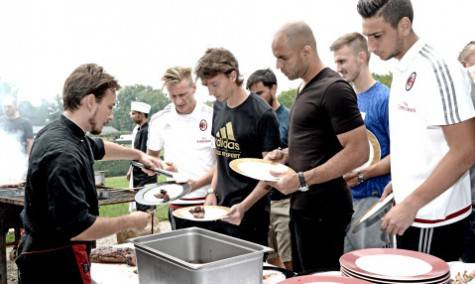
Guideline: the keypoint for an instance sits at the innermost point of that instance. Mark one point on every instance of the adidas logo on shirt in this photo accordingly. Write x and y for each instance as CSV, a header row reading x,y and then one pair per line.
x,y
225,138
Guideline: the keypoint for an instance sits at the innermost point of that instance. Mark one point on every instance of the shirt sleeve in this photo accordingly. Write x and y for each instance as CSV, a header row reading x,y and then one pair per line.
x,y
446,98
97,147
268,131
155,140
341,105
68,208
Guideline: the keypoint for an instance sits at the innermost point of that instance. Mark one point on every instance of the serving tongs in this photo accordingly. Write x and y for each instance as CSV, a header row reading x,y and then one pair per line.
x,y
175,176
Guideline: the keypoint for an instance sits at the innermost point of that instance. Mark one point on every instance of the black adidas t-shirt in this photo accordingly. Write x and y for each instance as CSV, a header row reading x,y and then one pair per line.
x,y
241,132
325,108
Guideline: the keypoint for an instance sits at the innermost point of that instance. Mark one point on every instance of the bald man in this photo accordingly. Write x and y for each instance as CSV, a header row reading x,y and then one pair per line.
x,y
327,138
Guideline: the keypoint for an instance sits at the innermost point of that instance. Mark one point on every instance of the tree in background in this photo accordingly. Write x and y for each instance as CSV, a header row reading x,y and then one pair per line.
x,y
386,79
154,97
286,98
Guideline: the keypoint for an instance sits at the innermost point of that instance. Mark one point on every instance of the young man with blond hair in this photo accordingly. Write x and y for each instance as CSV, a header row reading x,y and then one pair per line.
x,y
183,130
244,126
351,56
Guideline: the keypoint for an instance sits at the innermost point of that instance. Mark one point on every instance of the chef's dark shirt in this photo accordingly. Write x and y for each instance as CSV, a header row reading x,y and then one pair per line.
x,y
140,143
60,193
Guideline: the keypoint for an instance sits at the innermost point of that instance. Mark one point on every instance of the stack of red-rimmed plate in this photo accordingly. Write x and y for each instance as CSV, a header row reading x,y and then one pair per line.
x,y
323,279
394,266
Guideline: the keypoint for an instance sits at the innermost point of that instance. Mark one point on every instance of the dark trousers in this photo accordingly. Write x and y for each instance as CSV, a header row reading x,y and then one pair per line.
x,y
317,240
445,242
469,241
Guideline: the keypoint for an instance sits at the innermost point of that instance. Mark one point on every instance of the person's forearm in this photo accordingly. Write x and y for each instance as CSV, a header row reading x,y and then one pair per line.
x,y
205,179
259,191
118,152
382,167
354,153
103,227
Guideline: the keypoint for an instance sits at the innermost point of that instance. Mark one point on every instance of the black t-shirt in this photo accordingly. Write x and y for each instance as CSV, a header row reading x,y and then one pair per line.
x,y
325,108
140,143
241,132
60,193
18,126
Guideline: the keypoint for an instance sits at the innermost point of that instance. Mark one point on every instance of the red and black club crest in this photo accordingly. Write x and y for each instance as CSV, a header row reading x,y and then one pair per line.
x,y
203,125
410,81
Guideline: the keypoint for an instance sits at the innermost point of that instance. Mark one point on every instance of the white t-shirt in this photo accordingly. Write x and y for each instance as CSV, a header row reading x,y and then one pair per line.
x,y
187,142
427,92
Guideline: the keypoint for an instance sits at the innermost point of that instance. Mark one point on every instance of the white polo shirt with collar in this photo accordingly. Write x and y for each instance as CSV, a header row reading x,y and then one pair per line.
x,y
427,92
187,142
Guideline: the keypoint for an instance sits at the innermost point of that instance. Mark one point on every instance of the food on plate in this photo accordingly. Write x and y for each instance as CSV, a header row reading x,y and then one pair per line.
x,y
198,212
163,194
111,254
463,278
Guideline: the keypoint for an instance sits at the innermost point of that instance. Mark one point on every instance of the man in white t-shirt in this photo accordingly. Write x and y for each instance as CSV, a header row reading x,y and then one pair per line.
x,y
183,131
432,132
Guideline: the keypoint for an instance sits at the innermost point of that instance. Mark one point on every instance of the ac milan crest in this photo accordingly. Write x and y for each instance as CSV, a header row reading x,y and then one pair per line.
x,y
203,125
410,81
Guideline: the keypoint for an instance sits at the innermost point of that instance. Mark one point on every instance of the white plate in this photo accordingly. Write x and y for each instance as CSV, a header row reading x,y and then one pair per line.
x,y
393,265
173,191
258,168
376,209
212,213
374,151
272,276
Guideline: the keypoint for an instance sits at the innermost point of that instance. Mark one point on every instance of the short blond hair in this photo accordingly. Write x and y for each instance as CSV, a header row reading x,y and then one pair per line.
x,y
175,75
355,41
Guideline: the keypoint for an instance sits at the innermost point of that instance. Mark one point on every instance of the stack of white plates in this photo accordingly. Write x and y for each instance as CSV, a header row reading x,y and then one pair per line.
x,y
394,266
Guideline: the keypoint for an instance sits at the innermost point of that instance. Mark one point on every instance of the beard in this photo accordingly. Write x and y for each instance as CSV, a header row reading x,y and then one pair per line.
x,y
93,122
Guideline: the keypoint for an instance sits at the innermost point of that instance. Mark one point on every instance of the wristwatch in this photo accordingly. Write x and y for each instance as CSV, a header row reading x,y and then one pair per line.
x,y
360,177
303,186
210,191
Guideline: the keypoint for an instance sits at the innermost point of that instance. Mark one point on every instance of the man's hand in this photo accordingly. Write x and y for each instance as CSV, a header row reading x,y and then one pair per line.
x,y
139,219
388,189
399,218
211,199
278,156
351,179
288,182
235,215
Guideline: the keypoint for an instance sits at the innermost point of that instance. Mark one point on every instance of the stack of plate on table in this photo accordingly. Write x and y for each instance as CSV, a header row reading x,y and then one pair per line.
x,y
388,265
323,279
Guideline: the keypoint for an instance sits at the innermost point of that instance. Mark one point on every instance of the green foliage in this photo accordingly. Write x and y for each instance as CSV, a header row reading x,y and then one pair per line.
x,y
156,98
386,79
287,98
112,168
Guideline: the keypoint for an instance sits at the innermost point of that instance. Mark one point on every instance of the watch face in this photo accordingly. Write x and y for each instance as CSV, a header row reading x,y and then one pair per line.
x,y
303,188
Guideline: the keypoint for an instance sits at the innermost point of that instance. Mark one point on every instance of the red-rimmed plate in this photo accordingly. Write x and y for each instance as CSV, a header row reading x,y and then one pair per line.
x,y
323,279
348,273
394,264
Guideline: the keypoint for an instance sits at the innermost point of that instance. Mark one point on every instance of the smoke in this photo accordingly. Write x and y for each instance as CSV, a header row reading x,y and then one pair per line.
x,y
13,160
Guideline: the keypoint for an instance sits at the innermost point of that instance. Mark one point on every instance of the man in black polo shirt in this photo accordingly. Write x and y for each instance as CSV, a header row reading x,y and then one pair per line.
x,y
61,209
327,139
